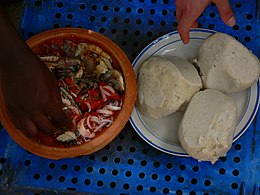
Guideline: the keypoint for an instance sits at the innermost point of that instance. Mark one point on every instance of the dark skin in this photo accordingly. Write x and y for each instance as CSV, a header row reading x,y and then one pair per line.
x,y
29,89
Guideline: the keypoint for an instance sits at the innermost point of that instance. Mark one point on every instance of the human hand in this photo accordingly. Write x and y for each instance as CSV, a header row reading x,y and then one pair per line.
x,y
31,94
29,89
187,12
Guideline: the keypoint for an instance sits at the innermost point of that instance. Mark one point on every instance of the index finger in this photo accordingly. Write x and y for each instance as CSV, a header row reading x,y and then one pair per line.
x,y
190,14
184,27
178,5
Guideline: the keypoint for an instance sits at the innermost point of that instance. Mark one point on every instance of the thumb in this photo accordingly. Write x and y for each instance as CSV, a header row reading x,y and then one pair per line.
x,y
60,119
56,113
225,12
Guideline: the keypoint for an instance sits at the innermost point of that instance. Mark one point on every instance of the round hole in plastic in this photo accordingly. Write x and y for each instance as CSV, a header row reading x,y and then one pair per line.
x,y
166,190
89,169
36,176
49,177
62,179
27,163
82,6
58,15
128,173
76,168
126,186
139,187
152,189
112,184
167,178
102,170
105,8
74,180
38,3
207,182
235,172
234,185
60,5
180,179
87,182
143,162
115,172
100,183
194,181
152,11
117,160
222,171
182,167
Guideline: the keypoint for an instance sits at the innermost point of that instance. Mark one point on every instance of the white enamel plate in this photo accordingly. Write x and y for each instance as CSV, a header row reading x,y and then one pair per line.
x,y
163,133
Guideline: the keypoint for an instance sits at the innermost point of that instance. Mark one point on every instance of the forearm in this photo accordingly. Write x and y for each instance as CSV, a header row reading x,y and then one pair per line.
x,y
12,47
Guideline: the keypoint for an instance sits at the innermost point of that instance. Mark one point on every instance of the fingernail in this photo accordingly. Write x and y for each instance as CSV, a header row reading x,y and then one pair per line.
x,y
231,21
186,41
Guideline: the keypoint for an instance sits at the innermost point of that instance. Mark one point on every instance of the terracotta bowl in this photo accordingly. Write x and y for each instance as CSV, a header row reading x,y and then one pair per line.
x,y
45,145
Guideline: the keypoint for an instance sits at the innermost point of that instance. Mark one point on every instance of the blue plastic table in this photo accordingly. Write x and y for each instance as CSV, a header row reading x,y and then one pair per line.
x,y
129,165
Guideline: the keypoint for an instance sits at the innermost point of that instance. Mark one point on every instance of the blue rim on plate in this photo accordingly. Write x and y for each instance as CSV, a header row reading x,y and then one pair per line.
x,y
170,44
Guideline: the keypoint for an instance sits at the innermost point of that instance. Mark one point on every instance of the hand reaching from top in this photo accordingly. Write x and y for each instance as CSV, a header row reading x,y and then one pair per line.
x,y
188,11
29,89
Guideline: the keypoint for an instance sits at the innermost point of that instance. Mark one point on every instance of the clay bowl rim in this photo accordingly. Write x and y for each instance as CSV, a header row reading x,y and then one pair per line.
x,y
104,137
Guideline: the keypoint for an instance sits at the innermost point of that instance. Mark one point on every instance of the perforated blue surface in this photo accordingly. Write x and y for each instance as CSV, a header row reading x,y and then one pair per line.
x,y
128,165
